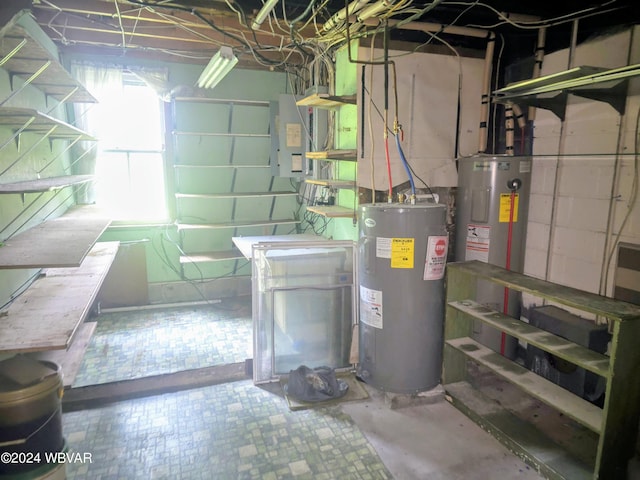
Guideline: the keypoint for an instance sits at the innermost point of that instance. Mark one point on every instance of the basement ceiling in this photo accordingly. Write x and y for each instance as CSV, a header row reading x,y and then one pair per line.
x,y
192,31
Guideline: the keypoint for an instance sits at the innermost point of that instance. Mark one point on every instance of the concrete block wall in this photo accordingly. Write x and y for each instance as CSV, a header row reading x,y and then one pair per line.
x,y
580,186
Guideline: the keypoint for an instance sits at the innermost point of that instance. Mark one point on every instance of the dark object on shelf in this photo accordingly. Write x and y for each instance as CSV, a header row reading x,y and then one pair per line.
x,y
568,375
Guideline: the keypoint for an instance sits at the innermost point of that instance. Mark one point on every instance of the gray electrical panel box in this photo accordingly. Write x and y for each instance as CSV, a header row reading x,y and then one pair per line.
x,y
288,137
294,132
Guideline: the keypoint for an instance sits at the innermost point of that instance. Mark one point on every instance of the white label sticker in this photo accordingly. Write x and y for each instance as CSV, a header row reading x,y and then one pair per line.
x,y
294,134
436,260
478,240
371,307
525,166
383,247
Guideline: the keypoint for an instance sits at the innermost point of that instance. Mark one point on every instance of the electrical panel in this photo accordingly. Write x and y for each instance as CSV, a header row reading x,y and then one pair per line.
x,y
288,137
294,132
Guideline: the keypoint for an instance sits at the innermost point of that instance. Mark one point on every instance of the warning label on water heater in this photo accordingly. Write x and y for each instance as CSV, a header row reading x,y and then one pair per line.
x,y
478,240
402,252
371,307
436,257
505,207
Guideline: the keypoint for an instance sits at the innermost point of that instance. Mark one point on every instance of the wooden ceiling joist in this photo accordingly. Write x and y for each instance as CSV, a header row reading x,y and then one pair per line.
x,y
161,32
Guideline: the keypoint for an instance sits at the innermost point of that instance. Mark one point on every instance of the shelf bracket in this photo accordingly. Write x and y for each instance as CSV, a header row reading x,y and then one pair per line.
x,y
28,81
71,92
555,104
13,52
615,96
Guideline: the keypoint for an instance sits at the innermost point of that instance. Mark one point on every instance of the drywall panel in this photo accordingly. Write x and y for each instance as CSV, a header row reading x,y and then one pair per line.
x,y
427,86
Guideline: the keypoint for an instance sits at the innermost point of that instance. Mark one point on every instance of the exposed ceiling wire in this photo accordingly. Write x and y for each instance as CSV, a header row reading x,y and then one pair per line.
x,y
124,41
290,37
523,24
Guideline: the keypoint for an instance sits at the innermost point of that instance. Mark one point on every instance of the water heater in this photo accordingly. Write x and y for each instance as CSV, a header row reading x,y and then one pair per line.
x,y
402,257
487,186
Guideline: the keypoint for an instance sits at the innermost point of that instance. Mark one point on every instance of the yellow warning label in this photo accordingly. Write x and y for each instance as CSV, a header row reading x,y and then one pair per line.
x,y
402,252
505,207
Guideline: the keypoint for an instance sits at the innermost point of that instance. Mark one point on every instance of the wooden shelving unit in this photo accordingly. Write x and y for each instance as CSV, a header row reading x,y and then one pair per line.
x,y
60,242
615,424
33,121
331,211
331,183
333,102
324,100
23,56
205,234
342,155
44,184
48,314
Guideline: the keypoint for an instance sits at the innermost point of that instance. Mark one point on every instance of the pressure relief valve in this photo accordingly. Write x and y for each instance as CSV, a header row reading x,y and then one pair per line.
x,y
514,184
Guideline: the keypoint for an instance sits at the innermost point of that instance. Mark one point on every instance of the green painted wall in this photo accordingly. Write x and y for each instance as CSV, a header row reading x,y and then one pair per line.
x,y
346,138
162,241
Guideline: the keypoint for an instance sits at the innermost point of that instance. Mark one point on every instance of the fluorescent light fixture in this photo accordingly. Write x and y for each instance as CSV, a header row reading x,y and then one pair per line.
x,y
219,65
263,13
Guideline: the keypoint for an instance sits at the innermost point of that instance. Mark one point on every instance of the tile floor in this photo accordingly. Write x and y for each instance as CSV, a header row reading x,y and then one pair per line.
x,y
137,344
228,431
240,431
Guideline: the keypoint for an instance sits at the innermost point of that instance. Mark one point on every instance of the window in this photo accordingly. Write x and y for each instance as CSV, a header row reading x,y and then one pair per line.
x,y
129,165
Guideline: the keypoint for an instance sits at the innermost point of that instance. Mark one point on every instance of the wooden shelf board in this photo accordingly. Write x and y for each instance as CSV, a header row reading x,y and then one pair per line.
x,y
571,297
54,81
44,184
211,256
16,118
558,346
519,436
331,211
331,183
323,100
70,360
347,155
47,315
235,194
564,401
237,224
60,242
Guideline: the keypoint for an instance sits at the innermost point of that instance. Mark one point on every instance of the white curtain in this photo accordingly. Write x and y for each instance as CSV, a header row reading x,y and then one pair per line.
x,y
156,79
103,82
